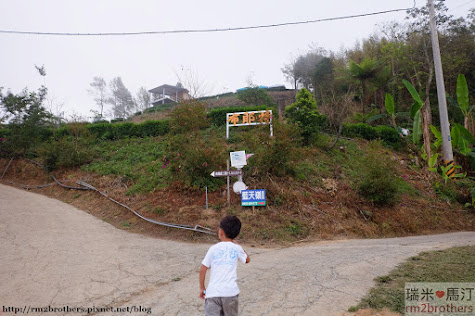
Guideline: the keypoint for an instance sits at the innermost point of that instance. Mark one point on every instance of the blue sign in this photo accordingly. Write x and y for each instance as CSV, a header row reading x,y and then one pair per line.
x,y
253,198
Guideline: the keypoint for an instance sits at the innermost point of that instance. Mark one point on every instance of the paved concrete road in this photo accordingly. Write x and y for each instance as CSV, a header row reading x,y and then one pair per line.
x,y
52,254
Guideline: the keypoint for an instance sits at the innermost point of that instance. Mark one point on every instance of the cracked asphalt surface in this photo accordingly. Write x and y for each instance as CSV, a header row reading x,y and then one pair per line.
x,y
52,254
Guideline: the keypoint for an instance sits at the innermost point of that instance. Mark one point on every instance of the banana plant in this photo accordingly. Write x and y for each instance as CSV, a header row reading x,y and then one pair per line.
x,y
438,136
463,99
461,139
391,111
445,169
415,112
433,162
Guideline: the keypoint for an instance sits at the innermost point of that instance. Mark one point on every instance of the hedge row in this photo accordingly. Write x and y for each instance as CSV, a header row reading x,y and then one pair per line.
x,y
387,134
218,116
124,130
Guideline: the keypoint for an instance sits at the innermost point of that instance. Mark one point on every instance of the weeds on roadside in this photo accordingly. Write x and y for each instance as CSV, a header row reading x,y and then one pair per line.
x,y
378,181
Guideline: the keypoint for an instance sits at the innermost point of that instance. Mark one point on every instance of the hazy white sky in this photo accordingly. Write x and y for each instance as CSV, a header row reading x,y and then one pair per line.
x,y
223,60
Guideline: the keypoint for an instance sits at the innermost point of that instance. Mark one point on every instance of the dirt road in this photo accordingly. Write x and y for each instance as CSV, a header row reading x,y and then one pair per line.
x,y
53,255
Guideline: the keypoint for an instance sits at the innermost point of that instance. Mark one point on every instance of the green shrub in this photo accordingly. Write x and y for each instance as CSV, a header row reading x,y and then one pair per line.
x,y
278,155
218,116
361,130
387,134
255,96
390,136
304,114
5,132
125,130
192,157
67,150
189,116
378,181
28,121
155,128
21,140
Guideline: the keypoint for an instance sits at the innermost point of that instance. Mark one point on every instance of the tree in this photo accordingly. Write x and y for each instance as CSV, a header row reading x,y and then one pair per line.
x,y
190,80
290,73
364,72
304,113
121,99
99,91
255,96
301,70
323,77
143,99
28,119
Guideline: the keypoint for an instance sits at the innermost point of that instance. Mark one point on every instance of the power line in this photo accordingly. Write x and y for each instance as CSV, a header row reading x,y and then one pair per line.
x,y
462,5
242,28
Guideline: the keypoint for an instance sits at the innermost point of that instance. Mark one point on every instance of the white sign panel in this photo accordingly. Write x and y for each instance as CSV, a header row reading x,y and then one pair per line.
x,y
248,118
238,159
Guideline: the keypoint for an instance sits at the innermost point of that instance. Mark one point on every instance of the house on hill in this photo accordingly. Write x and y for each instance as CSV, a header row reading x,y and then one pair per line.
x,y
166,94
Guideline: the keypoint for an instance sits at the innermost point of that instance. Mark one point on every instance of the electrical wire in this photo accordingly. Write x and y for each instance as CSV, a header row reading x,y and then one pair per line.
x,y
462,5
242,28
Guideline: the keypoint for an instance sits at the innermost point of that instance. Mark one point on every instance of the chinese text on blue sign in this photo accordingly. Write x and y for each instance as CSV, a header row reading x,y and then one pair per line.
x,y
253,198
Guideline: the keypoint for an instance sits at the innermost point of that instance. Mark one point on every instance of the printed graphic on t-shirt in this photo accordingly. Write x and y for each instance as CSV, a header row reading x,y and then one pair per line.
x,y
224,256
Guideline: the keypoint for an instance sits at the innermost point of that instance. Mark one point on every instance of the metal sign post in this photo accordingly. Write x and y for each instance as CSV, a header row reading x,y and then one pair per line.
x,y
229,196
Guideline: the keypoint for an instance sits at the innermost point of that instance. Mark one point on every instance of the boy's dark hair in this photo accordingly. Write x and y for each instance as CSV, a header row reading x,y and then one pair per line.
x,y
231,225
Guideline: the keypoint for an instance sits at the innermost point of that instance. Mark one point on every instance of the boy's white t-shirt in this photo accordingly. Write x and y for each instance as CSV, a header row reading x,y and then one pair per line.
x,y
222,260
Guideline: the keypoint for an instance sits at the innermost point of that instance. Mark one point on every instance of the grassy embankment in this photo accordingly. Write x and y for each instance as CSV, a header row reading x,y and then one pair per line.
x,y
450,265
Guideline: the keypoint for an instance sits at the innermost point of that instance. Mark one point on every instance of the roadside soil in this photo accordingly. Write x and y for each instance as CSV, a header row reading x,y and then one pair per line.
x,y
330,213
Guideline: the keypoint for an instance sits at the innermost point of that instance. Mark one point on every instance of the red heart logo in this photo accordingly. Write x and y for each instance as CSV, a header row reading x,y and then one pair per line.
x,y
440,294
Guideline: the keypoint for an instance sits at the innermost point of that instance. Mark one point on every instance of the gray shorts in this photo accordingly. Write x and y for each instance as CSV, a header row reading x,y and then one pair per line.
x,y
222,306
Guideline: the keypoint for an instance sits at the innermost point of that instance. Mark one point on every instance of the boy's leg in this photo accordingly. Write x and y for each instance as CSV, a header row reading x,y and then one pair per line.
x,y
230,305
214,306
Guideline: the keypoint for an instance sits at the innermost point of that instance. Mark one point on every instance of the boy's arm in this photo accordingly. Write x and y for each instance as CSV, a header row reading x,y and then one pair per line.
x,y
203,271
248,259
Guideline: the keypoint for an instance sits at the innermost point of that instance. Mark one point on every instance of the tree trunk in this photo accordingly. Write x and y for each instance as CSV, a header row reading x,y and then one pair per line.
x,y
363,94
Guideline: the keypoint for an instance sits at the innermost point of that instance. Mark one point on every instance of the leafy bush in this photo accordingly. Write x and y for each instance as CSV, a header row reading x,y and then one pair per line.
x,y
192,157
218,116
29,121
155,128
125,130
387,134
71,150
378,181
278,155
189,116
304,114
255,96
361,130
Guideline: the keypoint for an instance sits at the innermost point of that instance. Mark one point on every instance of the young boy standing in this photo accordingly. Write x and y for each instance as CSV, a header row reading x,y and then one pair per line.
x,y
222,259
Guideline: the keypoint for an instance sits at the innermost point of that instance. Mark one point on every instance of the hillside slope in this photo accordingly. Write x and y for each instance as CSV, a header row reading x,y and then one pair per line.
x,y
321,200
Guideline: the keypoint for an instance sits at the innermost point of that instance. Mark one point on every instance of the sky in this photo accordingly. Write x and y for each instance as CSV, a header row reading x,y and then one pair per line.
x,y
223,61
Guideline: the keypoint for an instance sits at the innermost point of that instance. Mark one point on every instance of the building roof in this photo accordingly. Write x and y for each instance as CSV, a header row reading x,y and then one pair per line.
x,y
169,89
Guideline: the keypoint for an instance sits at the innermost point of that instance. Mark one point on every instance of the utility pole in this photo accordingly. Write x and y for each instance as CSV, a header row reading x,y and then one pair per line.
x,y
447,153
